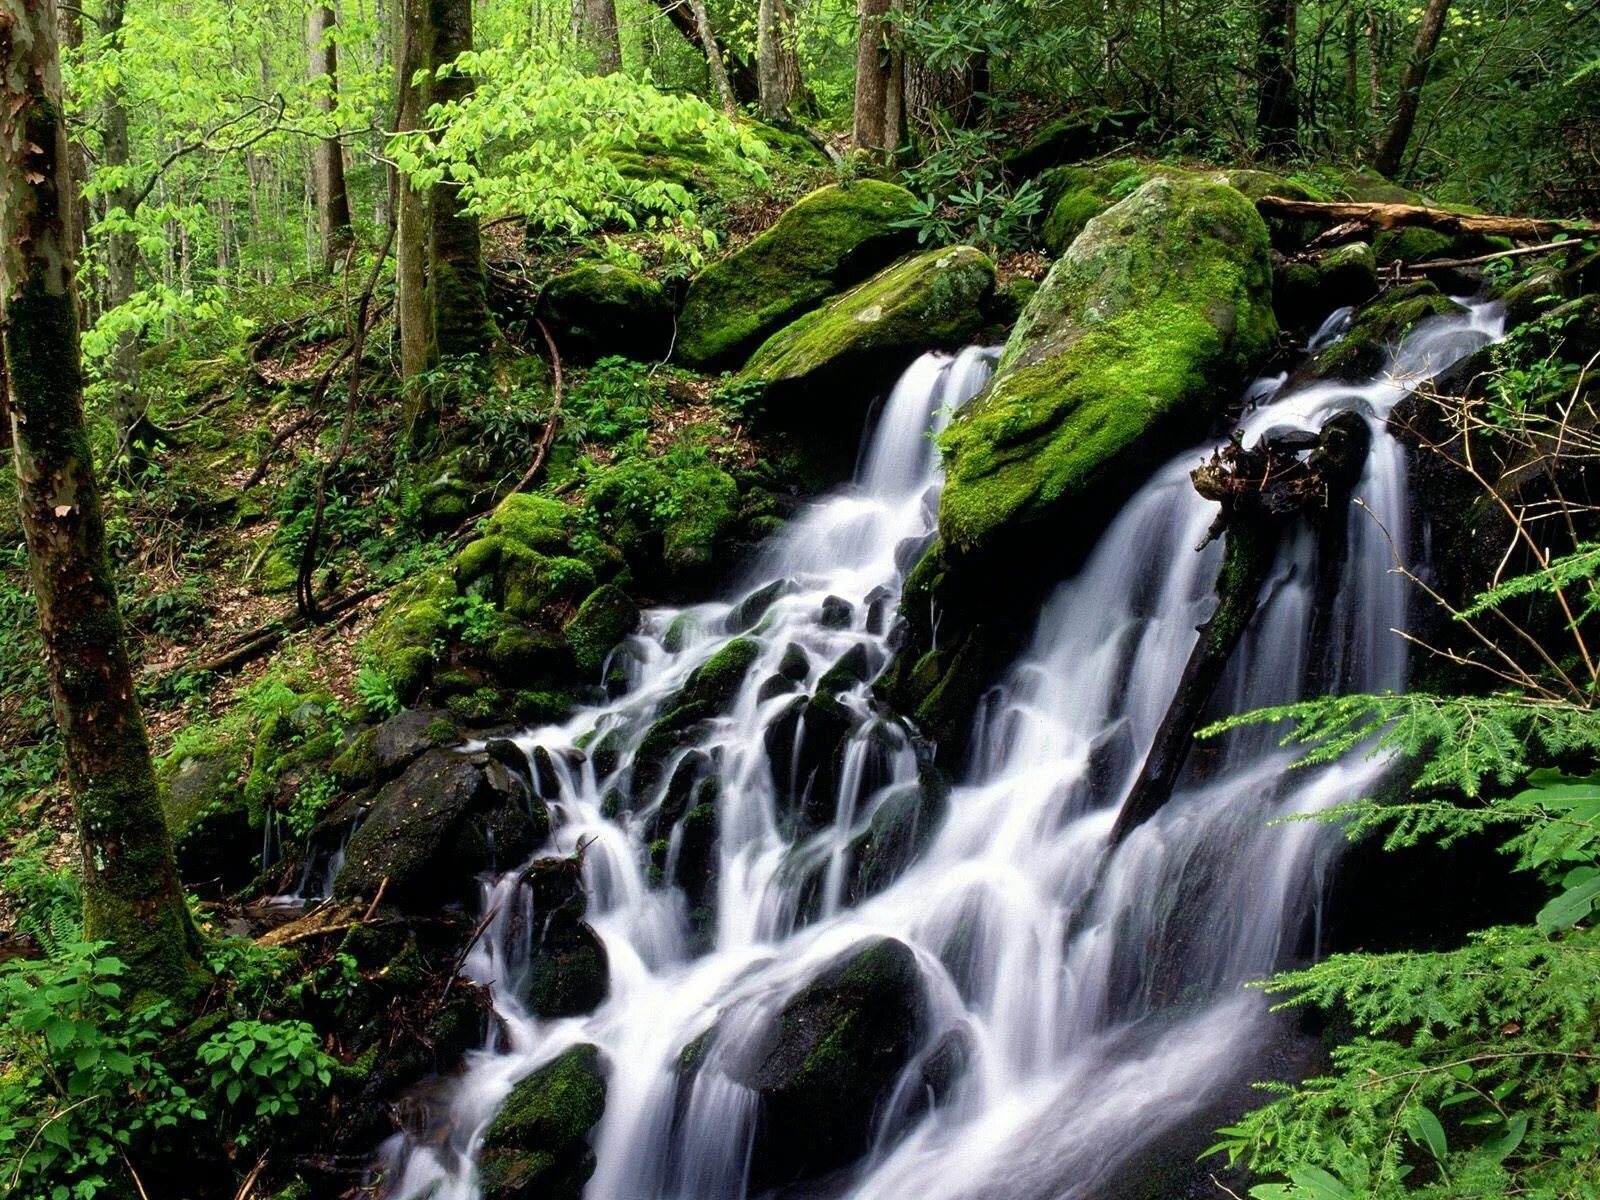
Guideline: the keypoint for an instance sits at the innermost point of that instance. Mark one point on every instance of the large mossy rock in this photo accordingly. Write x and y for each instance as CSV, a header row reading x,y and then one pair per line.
x,y
568,969
829,1062
872,332
597,309
214,834
1135,342
430,832
537,1148
1072,138
830,240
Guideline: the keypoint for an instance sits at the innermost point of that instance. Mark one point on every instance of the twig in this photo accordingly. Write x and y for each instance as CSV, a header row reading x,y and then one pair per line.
x,y
376,900
1451,263
553,422
249,1183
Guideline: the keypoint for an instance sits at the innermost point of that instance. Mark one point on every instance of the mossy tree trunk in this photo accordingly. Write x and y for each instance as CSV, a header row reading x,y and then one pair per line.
x,y
458,292
132,896
1392,150
411,53
333,200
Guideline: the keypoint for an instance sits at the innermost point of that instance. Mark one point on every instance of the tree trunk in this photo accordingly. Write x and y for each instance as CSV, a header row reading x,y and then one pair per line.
x,y
457,288
769,67
411,227
1278,100
873,86
1392,150
600,27
333,201
122,247
742,77
131,893
718,69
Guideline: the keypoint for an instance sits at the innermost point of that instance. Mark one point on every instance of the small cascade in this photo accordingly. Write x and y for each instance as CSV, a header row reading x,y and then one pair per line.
x,y
1076,998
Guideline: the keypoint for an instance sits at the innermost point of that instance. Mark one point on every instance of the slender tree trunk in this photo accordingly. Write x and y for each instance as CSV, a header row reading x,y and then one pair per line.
x,y
457,287
1374,67
793,82
131,893
873,70
1392,150
121,245
719,69
741,75
769,71
600,27
1278,97
411,223
1352,68
333,201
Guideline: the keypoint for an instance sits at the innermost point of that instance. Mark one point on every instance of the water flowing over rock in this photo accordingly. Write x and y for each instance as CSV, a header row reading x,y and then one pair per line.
x,y
829,967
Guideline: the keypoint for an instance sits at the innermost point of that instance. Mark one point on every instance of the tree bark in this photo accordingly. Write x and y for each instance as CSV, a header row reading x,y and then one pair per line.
x,y
411,227
600,28
131,893
1392,150
333,200
769,68
873,85
457,287
1278,98
718,69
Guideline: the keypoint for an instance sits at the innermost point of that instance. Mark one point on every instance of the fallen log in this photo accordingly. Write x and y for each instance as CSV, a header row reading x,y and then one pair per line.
x,y
1397,216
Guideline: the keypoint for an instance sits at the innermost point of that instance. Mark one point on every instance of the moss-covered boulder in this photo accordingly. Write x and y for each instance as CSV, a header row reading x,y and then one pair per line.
x,y
606,616
597,309
568,969
669,515
717,681
1307,289
537,1148
1132,345
214,835
830,240
828,1061
1074,196
1072,138
872,332
431,831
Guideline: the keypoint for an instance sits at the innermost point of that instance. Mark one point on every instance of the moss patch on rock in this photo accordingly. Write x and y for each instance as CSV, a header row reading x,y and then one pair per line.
x,y
831,239
597,309
1133,343
933,301
538,1146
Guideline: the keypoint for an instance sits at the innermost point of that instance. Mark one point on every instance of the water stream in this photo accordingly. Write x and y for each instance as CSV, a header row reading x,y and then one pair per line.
x,y
1096,991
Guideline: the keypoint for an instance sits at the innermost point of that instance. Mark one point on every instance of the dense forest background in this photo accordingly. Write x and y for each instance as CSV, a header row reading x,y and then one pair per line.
x,y
349,275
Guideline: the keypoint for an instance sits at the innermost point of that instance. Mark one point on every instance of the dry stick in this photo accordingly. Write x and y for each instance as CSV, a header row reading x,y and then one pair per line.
x,y
248,1186
553,422
1451,263
265,637
305,592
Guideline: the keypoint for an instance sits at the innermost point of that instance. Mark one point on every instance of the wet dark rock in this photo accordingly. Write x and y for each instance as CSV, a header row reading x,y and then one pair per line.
x,y
836,613
430,832
794,664
538,1148
660,740
546,782
507,753
717,682
775,685
880,602
898,833
692,768
828,1063
753,607
568,971
405,735
854,667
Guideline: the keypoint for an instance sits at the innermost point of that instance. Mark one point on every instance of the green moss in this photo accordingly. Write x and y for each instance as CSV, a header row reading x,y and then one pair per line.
x,y
1379,326
1134,340
478,559
520,654
717,681
401,642
933,300
828,241
441,732
541,707
536,522
598,308
605,618
536,1145
669,515
534,582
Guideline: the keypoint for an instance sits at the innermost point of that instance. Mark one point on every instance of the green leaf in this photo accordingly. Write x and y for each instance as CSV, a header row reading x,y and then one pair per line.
x,y
1501,1147
1424,1126
1574,904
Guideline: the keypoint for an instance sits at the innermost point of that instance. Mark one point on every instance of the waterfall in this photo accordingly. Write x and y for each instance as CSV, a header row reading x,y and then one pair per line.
x,y
1096,990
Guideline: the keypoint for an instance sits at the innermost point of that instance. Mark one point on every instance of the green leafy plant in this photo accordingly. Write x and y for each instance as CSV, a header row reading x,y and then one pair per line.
x,y
267,1069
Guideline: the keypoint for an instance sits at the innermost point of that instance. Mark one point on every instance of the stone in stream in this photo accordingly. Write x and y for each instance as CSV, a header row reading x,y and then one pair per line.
x,y
430,833
538,1148
568,969
828,1061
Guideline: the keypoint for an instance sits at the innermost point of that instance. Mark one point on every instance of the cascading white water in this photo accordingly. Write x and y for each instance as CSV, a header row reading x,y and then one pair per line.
x,y
1096,989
